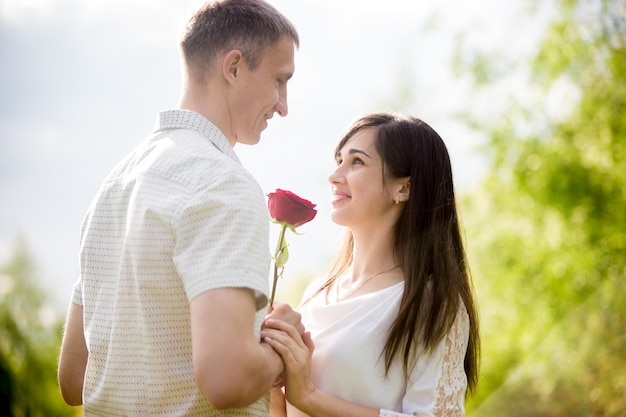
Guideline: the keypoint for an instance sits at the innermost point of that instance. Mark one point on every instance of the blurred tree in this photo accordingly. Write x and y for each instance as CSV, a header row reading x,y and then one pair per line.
x,y
30,337
547,228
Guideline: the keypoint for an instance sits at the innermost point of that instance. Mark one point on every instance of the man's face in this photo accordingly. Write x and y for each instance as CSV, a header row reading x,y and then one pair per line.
x,y
262,92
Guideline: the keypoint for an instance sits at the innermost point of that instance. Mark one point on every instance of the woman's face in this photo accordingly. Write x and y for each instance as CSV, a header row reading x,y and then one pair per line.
x,y
359,196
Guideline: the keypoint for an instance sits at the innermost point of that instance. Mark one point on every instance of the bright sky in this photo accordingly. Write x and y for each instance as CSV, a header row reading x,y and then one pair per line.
x,y
81,83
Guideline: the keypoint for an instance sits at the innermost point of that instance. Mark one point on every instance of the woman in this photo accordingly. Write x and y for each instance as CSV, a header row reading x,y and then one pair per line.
x,y
394,324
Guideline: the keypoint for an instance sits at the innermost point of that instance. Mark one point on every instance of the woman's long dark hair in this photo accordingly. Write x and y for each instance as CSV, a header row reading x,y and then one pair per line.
x,y
428,242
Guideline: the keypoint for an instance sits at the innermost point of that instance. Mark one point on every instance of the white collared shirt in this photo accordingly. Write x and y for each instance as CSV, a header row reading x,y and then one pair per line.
x,y
178,216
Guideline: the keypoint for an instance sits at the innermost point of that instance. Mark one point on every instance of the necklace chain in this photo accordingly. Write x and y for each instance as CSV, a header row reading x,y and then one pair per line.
x,y
359,286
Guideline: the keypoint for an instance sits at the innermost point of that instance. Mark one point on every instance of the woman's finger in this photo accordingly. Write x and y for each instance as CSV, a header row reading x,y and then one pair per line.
x,y
308,341
286,328
294,353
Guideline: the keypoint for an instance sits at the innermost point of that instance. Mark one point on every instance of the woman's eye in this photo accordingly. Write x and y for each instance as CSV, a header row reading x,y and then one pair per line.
x,y
339,161
357,161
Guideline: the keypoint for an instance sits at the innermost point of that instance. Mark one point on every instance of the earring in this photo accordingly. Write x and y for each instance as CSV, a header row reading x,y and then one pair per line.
x,y
396,200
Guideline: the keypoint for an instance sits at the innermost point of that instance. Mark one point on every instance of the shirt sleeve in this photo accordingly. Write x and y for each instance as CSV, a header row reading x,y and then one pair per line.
x,y
438,388
222,238
77,293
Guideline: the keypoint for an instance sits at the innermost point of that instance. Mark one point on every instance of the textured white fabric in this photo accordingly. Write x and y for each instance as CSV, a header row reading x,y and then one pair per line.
x,y
178,216
349,337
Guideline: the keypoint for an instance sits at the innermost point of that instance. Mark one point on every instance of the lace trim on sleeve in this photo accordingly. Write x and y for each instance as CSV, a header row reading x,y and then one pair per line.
x,y
452,383
449,395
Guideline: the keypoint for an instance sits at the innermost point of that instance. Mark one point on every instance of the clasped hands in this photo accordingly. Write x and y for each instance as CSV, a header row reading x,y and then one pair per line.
x,y
284,332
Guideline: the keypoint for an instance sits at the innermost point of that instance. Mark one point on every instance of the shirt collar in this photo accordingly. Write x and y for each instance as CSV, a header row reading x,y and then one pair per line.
x,y
190,120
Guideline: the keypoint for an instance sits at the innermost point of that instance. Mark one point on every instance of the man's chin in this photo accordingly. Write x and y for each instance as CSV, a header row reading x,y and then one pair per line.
x,y
249,139
253,141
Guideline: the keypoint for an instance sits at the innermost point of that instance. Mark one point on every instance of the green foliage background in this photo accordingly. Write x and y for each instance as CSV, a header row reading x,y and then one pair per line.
x,y
547,228
546,237
30,338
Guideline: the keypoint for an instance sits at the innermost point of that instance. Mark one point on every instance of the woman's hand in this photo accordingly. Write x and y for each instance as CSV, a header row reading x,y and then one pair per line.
x,y
283,311
296,350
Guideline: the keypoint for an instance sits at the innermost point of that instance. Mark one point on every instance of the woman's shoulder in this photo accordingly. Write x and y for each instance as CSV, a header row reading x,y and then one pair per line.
x,y
313,287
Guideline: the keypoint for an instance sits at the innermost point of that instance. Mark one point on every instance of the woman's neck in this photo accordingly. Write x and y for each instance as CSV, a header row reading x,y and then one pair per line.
x,y
373,253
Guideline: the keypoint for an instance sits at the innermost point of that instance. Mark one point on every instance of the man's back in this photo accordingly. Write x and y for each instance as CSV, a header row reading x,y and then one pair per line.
x,y
150,244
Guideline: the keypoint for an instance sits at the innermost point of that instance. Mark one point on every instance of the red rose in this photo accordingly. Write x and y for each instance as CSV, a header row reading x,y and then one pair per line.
x,y
290,211
285,206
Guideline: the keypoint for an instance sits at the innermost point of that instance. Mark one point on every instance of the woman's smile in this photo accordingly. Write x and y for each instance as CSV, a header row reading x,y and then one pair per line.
x,y
339,197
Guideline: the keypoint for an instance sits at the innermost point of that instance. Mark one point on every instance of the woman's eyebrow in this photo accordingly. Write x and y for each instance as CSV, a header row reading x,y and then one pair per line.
x,y
353,151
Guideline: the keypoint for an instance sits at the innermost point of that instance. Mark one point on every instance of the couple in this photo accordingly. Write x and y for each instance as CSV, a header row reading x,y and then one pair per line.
x,y
168,315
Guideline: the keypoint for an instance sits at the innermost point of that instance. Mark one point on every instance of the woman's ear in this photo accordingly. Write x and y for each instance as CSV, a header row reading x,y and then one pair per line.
x,y
403,189
232,64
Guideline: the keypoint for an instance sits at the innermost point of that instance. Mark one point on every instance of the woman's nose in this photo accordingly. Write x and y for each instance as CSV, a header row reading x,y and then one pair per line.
x,y
335,176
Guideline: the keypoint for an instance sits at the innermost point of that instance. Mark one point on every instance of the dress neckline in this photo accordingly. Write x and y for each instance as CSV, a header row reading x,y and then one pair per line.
x,y
328,301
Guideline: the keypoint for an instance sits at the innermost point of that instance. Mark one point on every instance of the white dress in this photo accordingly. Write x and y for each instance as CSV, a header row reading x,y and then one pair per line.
x,y
349,337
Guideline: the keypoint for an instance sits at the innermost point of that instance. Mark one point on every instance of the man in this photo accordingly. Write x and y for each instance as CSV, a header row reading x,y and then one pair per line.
x,y
174,258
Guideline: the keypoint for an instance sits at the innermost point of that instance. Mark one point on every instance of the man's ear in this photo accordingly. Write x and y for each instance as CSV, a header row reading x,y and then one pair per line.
x,y
232,64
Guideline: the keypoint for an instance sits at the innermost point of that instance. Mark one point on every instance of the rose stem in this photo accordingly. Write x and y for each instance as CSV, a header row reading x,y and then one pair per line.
x,y
281,237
